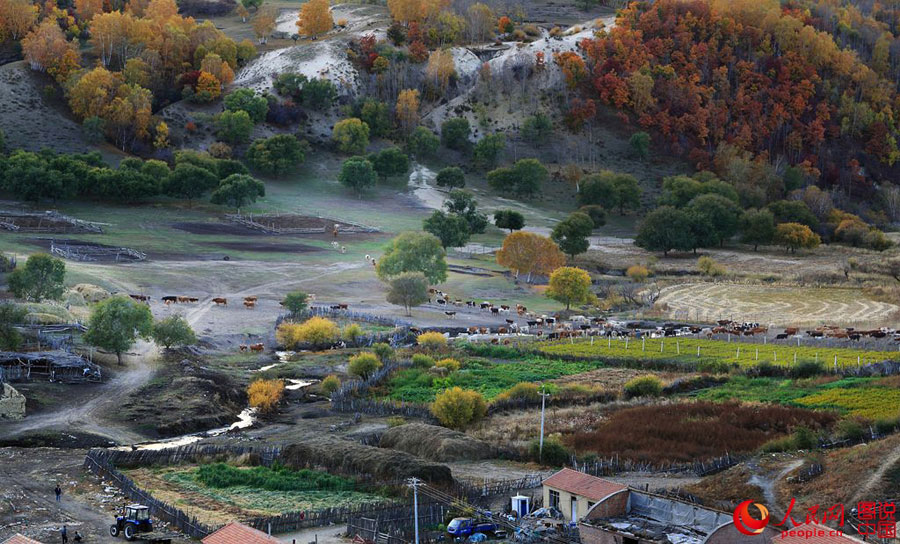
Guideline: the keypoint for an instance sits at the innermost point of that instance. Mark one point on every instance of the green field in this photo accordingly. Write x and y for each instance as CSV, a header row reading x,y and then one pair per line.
x,y
870,398
490,378
691,351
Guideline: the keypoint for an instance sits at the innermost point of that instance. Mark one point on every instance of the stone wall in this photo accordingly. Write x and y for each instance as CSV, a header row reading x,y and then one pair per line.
x,y
12,403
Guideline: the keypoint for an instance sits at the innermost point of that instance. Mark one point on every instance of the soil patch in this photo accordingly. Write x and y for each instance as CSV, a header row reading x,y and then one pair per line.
x,y
268,247
79,250
216,229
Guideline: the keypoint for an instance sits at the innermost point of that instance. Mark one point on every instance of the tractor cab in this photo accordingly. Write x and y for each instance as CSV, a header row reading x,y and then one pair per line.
x,y
133,520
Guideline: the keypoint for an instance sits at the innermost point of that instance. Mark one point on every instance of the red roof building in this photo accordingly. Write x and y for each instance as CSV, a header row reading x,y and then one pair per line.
x,y
238,533
574,493
20,539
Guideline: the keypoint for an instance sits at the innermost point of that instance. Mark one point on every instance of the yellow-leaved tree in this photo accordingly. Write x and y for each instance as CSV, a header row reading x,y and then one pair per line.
x,y
408,110
264,395
315,18
16,18
530,253
570,285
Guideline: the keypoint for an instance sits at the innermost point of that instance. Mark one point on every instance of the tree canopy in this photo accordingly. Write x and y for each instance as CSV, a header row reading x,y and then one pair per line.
x,y
570,286
414,252
41,278
116,323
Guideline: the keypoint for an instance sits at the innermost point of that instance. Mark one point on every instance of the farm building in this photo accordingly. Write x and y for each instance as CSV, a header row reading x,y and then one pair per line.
x,y
56,366
238,533
20,539
629,516
574,493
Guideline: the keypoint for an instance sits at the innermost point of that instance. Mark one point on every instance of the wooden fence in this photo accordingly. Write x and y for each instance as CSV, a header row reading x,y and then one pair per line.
x,y
99,465
191,453
614,465
395,525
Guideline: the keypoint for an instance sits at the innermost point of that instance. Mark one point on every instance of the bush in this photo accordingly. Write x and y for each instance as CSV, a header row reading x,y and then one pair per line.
x,y
709,267
451,176
264,395
637,273
451,365
277,155
555,453
420,360
173,331
850,429
363,365
456,408
596,213
316,331
455,133
806,369
331,384
804,438
644,386
432,341
295,301
522,390
384,351
351,333
887,426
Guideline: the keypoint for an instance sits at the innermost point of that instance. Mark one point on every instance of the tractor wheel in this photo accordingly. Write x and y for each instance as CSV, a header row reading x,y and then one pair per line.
x,y
129,531
113,531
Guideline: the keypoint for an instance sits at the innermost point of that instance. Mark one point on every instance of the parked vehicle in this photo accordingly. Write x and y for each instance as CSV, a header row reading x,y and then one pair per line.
x,y
134,520
463,527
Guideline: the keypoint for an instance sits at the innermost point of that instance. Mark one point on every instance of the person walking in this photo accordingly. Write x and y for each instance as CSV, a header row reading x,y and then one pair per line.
x,y
64,534
58,492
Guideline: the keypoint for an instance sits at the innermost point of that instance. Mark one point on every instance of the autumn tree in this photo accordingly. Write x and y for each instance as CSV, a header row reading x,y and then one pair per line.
x,y
264,23
215,65
570,286
46,49
793,236
16,18
529,253
315,18
440,69
351,135
407,110
87,9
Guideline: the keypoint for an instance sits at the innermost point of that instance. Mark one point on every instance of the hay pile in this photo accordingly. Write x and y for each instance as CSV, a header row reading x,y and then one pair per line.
x,y
47,313
91,293
435,443
353,458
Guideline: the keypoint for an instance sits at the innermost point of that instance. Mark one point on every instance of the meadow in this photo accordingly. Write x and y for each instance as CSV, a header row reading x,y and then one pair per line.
x,y
694,351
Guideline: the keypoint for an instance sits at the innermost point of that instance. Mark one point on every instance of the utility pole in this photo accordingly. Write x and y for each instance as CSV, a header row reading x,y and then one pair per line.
x,y
414,483
544,396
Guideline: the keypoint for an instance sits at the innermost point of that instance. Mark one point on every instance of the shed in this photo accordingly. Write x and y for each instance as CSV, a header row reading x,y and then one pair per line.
x,y
60,366
20,539
574,493
238,533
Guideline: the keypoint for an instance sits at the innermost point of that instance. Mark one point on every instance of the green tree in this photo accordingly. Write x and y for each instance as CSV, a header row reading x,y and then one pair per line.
x,y
156,169
376,114
488,149
295,302
277,155
10,315
537,128
451,176
456,407
757,227
423,142
414,252
173,331
318,94
571,234
234,126
116,323
351,135
794,236
358,174
596,213
451,229
28,176
363,365
599,190
463,204
41,278
628,192
228,167
523,179
679,190
390,162
247,100
665,229
2,142
409,289
570,286
640,144
93,128
793,211
237,191
509,219
189,182
455,133
721,214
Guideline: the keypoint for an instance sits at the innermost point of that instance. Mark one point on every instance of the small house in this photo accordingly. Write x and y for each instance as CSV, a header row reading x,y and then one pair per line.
x,y
238,533
20,539
574,493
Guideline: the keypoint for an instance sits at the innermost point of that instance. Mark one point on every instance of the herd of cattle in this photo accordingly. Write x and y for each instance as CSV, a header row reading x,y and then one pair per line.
x,y
249,302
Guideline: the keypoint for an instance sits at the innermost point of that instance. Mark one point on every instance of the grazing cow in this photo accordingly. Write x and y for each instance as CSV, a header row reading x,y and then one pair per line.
x,y
533,323
502,330
257,347
343,306
791,331
450,315
549,320
182,299
169,299
140,298
855,336
220,300
510,321
441,301
495,311
781,336
473,330
193,299
243,347
432,291
485,305
485,330
470,303
368,258
249,304
250,299
521,310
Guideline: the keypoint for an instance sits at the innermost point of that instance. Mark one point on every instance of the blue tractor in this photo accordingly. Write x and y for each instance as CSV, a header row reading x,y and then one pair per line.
x,y
134,520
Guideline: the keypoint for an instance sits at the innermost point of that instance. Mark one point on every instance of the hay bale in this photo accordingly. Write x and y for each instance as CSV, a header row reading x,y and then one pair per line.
x,y
38,318
435,443
74,298
92,293
353,458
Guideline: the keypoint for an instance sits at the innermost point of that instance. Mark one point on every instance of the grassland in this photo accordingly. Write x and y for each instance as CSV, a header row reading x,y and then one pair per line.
x,y
693,351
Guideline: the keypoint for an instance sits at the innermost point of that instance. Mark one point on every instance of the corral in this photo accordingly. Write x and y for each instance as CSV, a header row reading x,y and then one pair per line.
x,y
49,221
277,224
75,250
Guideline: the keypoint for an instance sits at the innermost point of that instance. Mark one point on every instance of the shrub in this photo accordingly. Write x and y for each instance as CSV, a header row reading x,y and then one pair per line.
x,y
522,390
644,386
709,267
804,438
596,213
384,351
363,365
806,369
173,331
352,333
456,408
316,331
420,360
331,384
451,176
432,341
264,395
451,365
455,133
850,429
554,453
295,301
637,273
887,426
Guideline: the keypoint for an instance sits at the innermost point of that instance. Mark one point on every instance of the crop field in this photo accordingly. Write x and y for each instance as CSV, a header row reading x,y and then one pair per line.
x,y
871,398
220,492
698,351
490,378
778,306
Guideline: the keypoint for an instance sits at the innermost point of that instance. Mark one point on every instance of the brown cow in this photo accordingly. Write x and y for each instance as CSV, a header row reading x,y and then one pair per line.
x,y
473,330
250,299
257,347
193,299
220,300
249,304
182,299
791,331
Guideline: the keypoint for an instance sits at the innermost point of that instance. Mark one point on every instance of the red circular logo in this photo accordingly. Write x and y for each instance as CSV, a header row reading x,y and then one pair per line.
x,y
746,523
